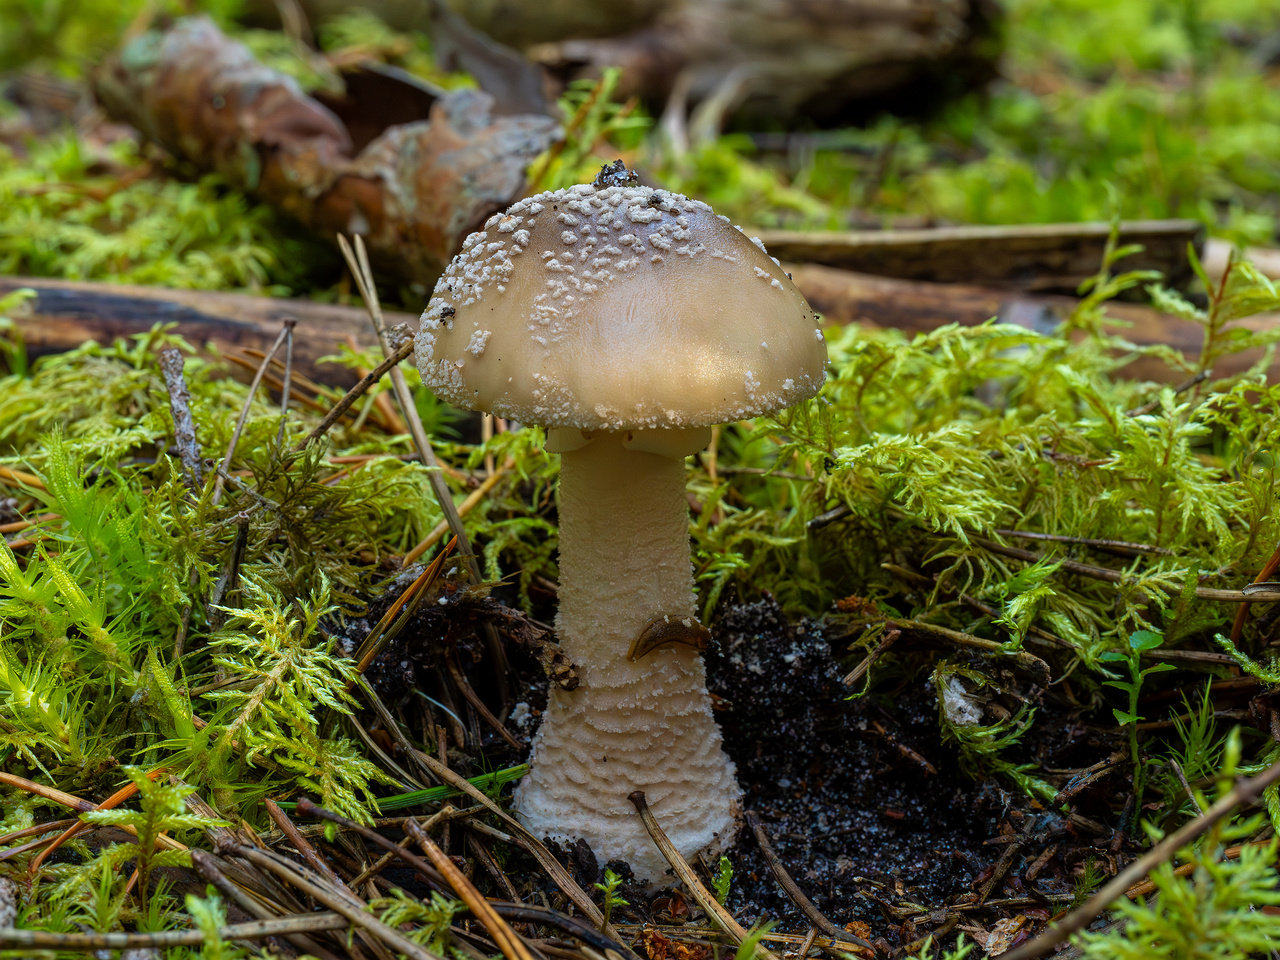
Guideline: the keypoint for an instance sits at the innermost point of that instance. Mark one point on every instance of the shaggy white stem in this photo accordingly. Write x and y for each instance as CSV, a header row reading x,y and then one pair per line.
x,y
624,559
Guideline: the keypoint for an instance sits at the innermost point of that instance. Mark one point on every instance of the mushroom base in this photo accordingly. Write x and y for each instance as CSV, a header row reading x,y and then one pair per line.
x,y
643,725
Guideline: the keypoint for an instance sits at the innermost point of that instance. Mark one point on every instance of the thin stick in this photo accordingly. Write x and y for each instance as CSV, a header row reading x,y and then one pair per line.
x,y
486,434
49,793
1267,571
364,279
473,498
710,905
284,389
17,478
1123,545
525,839
12,939
447,812
356,914
808,942
1116,576
512,947
355,393
113,801
473,698
797,895
1182,779
244,411
386,627
184,428
1245,791
309,854
429,872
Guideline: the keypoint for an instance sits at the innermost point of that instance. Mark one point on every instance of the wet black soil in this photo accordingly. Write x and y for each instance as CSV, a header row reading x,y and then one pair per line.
x,y
865,805
861,801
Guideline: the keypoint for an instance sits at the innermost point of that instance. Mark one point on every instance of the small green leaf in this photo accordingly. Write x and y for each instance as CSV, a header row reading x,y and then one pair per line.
x,y
1145,640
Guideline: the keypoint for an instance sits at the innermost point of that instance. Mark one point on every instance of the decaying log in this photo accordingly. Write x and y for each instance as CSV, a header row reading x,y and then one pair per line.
x,y
65,314
844,297
767,60
812,61
415,192
1040,257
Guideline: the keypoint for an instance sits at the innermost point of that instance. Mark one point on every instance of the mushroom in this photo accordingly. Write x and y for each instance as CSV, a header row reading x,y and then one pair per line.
x,y
628,321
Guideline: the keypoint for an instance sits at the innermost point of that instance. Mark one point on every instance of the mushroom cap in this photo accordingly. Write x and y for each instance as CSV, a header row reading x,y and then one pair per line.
x,y
618,308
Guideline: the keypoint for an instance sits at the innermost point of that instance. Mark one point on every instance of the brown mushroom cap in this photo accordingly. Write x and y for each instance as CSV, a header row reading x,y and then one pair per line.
x,y
619,308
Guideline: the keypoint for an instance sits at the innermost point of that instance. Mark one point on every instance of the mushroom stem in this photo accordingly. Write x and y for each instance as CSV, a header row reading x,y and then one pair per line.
x,y
647,725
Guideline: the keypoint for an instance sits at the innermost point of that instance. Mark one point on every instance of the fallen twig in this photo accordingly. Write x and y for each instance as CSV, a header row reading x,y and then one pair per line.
x,y
355,393
113,801
13,939
184,428
209,867
1116,576
1245,791
244,411
796,895
473,498
302,845
523,838
473,698
1117,545
358,916
358,263
710,905
391,622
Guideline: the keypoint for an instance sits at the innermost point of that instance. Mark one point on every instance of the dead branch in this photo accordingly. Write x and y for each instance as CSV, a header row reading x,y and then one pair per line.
x,y
794,892
13,939
916,306
64,314
184,428
721,917
416,191
1029,257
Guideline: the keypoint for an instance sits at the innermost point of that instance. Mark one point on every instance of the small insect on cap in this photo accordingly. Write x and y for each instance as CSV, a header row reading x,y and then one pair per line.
x,y
610,306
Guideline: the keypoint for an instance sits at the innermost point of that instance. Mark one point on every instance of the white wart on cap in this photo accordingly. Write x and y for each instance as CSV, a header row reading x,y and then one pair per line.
x,y
618,308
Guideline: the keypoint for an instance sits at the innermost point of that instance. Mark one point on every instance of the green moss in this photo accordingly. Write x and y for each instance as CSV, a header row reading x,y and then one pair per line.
x,y
67,213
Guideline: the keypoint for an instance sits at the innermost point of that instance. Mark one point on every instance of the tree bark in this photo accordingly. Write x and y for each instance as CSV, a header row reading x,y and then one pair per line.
x,y
415,192
843,297
64,314
1040,257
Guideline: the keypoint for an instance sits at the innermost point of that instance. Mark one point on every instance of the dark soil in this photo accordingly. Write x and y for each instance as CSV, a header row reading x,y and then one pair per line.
x,y
853,813
865,806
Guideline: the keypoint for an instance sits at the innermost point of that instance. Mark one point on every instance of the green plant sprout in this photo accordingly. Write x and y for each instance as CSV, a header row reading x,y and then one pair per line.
x,y
161,811
1140,642
722,879
432,918
1219,909
750,945
609,887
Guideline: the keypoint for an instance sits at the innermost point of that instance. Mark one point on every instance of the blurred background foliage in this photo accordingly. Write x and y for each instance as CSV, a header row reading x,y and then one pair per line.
x,y
1173,105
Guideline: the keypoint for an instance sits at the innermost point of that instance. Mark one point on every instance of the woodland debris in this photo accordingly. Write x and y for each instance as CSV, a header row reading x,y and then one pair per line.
x,y
184,428
914,306
777,61
1040,257
415,191
1244,792
65,313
